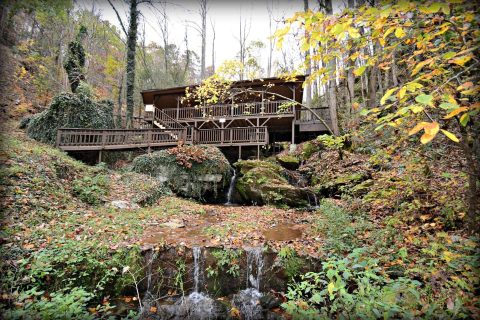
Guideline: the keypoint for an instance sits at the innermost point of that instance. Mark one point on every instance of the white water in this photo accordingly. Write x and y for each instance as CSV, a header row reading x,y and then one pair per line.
x,y
248,302
231,188
197,261
254,267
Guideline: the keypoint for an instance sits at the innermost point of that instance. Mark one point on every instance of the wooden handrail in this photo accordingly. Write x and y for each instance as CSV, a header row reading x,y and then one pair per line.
x,y
235,110
99,139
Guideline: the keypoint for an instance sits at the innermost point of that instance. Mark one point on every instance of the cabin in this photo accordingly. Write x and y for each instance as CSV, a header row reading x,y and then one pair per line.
x,y
255,114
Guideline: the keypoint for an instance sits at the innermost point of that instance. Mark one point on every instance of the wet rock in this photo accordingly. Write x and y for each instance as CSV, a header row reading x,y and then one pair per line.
x,y
248,303
262,182
269,301
196,306
288,161
124,205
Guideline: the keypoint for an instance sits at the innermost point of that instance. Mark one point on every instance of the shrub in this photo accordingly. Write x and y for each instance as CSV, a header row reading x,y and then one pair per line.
x,y
68,110
352,287
91,190
35,304
339,227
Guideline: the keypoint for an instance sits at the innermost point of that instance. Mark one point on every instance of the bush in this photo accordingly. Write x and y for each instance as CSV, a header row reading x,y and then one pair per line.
x,y
340,228
352,287
91,190
36,304
68,110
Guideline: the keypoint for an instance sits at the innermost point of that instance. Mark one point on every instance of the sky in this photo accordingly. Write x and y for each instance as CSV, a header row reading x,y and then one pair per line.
x,y
225,15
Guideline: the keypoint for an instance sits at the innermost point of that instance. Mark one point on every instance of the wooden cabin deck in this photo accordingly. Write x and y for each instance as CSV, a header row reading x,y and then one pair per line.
x,y
71,139
247,121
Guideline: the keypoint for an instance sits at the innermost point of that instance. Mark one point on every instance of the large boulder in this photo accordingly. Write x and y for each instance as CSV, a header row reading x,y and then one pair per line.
x,y
263,182
68,110
198,172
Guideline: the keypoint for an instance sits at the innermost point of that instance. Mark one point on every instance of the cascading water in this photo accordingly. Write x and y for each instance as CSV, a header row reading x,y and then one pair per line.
x,y
197,262
254,261
231,188
248,300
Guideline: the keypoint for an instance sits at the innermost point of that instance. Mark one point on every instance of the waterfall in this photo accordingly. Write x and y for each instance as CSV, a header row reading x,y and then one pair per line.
x,y
254,259
150,258
197,261
231,188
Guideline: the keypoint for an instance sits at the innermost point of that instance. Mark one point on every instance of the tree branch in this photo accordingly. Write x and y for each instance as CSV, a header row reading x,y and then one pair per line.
x,y
119,18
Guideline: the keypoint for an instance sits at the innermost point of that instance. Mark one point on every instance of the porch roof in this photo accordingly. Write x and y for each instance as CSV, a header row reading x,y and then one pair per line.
x,y
149,95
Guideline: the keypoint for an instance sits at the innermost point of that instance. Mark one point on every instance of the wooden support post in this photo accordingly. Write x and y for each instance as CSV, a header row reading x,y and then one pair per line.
x,y
239,152
57,143
149,140
293,131
178,107
258,152
99,156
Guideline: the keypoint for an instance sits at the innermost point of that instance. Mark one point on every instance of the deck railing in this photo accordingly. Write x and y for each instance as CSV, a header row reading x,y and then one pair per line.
x,y
98,139
235,110
305,115
166,120
232,136
95,139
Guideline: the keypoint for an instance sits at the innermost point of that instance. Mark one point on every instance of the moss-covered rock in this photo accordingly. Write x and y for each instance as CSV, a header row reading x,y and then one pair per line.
x,y
288,161
68,110
332,176
262,182
198,172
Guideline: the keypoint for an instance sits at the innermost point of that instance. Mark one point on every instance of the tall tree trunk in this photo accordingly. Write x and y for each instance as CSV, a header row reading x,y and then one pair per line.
x,y
332,98
203,15
308,67
131,47
119,102
213,46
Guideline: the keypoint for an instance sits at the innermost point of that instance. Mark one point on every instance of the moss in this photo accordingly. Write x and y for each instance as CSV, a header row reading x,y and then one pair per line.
x,y
262,182
196,181
288,161
308,149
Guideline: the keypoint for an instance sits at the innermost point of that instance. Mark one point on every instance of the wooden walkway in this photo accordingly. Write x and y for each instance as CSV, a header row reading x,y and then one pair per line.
x,y
71,139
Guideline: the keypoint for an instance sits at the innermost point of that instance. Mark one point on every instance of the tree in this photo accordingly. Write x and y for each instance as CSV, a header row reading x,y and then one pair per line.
x,y
203,33
436,44
242,41
75,61
131,50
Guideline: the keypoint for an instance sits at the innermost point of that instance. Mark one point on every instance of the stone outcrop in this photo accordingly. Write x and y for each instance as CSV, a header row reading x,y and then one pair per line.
x,y
199,172
263,182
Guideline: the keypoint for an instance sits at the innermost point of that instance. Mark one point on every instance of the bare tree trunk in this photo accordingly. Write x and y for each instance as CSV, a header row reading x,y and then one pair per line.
x,y
187,58
213,46
270,40
308,67
164,29
203,16
119,103
394,69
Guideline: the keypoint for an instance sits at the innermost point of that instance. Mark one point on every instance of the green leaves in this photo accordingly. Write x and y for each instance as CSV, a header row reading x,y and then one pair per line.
x,y
425,99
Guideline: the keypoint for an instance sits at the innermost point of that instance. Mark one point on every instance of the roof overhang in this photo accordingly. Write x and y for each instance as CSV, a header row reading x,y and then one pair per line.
x,y
148,96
